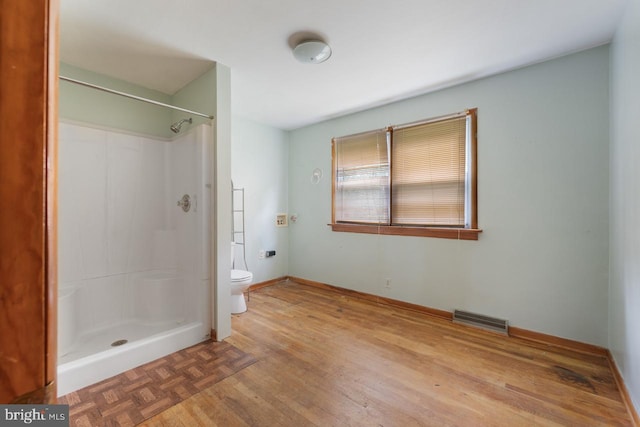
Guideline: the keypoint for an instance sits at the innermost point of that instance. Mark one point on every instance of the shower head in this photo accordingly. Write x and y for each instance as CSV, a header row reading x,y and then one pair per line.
x,y
177,125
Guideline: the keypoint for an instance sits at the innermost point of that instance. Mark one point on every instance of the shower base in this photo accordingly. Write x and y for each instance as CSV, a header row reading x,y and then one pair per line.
x,y
92,358
102,339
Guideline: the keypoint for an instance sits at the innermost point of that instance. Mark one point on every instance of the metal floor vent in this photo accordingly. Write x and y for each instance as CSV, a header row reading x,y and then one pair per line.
x,y
481,321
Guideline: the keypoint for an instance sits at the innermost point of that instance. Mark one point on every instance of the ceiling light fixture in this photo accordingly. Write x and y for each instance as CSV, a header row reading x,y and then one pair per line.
x,y
312,52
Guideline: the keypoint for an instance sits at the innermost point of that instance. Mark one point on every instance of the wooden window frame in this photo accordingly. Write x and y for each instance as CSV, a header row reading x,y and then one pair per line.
x,y
460,233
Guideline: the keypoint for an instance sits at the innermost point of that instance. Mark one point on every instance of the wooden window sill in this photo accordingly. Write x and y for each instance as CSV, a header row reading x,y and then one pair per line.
x,y
441,233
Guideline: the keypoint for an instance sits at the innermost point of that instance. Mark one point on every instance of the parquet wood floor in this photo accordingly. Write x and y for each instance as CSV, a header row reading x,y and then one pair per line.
x,y
326,359
138,394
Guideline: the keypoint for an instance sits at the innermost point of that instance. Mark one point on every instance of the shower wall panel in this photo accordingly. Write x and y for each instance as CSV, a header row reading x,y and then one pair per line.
x,y
133,265
118,218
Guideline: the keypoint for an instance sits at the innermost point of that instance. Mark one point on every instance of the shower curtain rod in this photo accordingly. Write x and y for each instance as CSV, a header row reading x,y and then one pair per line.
x,y
138,98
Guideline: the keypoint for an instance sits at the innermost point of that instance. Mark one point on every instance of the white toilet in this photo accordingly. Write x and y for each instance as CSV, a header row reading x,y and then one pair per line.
x,y
240,281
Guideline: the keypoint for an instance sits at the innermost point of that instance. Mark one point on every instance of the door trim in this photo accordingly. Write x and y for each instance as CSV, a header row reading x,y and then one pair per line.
x,y
28,114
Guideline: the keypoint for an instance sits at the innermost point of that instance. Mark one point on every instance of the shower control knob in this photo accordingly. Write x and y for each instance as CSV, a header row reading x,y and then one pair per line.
x,y
185,203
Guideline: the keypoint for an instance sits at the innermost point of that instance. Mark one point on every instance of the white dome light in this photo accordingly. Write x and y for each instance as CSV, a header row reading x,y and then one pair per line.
x,y
312,52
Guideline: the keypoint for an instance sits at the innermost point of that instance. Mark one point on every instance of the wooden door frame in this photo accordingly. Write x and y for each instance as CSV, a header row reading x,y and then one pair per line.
x,y
28,159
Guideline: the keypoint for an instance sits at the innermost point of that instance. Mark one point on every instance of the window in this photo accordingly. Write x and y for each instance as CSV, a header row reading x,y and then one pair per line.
x,y
417,179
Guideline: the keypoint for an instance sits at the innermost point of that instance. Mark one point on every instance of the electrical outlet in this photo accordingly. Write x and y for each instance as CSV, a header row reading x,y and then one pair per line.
x,y
281,220
388,284
261,254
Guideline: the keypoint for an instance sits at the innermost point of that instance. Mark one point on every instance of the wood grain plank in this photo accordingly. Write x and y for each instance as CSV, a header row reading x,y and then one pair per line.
x,y
333,359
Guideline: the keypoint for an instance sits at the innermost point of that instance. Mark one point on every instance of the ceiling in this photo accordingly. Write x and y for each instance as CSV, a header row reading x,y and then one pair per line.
x,y
382,50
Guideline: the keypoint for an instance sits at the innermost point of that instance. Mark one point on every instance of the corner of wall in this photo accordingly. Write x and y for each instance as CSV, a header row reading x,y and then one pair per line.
x,y
624,202
222,207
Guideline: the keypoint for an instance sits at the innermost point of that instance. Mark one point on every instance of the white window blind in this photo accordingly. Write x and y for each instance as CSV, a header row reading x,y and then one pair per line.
x,y
428,173
362,178
421,174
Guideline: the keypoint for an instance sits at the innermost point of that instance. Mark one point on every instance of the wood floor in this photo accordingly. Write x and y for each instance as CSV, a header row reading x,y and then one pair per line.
x,y
330,360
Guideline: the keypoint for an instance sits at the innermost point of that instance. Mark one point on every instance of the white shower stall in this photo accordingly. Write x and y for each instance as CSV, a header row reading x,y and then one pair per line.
x,y
134,263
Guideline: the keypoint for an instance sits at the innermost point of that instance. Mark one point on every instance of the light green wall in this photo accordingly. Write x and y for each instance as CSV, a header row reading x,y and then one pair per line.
x,y
199,95
78,103
260,165
82,104
542,259
624,286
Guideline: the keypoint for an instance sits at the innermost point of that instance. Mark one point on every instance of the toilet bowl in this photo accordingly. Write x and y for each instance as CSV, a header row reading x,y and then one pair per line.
x,y
240,281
